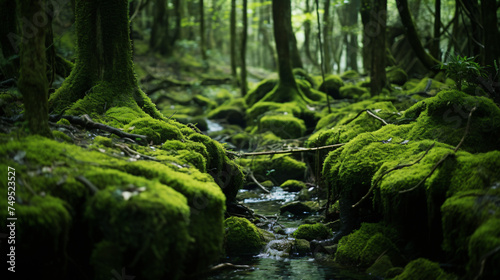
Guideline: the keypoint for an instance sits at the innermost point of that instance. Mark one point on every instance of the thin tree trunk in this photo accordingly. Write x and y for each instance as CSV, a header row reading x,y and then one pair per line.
x,y
294,51
280,9
243,50
412,36
203,47
368,34
435,52
33,80
307,37
9,40
326,38
232,27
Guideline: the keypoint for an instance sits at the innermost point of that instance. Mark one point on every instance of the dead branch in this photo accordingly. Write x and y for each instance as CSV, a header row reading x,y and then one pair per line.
x,y
466,129
297,150
87,183
86,122
125,148
370,113
257,182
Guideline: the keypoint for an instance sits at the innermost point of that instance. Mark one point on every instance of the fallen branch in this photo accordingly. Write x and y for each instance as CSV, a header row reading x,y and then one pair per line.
x,y
87,183
126,149
87,122
297,150
370,113
257,182
387,172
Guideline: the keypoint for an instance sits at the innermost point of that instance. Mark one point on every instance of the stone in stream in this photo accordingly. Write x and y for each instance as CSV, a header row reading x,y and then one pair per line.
x,y
300,208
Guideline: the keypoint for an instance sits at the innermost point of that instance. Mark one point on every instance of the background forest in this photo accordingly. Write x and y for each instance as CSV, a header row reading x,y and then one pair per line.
x,y
220,139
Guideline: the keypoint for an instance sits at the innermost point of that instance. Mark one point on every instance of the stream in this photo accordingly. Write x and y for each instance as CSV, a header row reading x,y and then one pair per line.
x,y
269,265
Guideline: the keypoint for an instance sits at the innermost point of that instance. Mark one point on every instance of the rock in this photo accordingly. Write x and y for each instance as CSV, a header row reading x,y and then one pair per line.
x,y
300,208
380,267
396,75
350,75
285,126
310,232
301,246
242,237
293,186
332,85
423,269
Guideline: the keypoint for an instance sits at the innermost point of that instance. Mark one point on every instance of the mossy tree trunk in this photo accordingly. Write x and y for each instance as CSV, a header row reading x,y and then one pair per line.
x,y
33,82
435,52
378,20
232,39
9,39
294,51
243,51
103,76
412,36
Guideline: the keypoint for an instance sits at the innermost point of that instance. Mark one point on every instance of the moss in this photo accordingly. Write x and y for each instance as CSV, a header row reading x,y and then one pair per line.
x,y
332,85
423,269
300,208
204,102
293,185
50,219
301,246
377,246
61,136
190,152
284,126
310,92
106,257
301,75
231,114
353,92
421,86
396,75
242,237
104,141
380,267
285,168
162,239
350,75
359,248
157,131
260,90
483,247
63,121
444,118
310,232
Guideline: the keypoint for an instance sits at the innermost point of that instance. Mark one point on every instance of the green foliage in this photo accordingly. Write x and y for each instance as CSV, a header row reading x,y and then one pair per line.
x,y
464,70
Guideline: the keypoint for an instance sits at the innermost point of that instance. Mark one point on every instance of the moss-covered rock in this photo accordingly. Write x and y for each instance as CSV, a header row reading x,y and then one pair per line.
x,y
278,168
285,126
104,141
483,248
260,90
354,92
242,237
233,112
423,269
380,267
332,85
157,131
396,75
300,208
293,185
350,75
312,231
301,246
61,136
362,247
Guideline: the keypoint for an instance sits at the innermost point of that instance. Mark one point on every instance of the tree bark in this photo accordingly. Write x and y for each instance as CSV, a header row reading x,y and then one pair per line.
x,y
378,79
294,51
307,37
103,76
435,51
232,27
326,38
203,47
411,33
9,39
280,9
33,82
367,34
491,37
243,51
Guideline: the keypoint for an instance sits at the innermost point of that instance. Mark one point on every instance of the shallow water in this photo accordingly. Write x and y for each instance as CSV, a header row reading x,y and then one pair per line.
x,y
267,266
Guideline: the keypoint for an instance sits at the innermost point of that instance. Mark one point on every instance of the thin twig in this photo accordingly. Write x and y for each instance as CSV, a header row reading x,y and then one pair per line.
x,y
87,183
466,129
129,151
483,261
370,113
257,182
297,150
388,171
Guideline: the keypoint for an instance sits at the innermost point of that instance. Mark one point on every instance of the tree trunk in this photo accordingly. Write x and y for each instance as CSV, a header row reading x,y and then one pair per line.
x,y
326,38
243,51
33,79
280,9
307,37
203,47
103,76
294,51
435,51
491,38
411,33
352,47
378,78
368,34
158,29
232,39
9,40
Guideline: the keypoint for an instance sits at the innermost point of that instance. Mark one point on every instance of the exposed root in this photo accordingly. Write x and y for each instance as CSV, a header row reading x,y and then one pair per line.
x,y
258,184
296,150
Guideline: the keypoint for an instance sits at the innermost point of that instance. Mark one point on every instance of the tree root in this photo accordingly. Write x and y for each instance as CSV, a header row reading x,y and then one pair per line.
x,y
258,184
86,122
371,114
297,150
